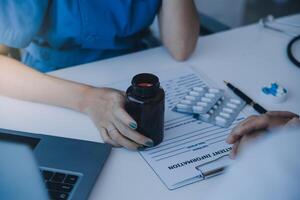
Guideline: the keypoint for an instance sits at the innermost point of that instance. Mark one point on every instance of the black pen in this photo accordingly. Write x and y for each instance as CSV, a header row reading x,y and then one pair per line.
x,y
247,99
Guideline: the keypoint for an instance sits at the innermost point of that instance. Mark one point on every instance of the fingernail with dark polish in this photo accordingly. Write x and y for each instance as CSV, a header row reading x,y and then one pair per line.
x,y
133,125
141,148
149,144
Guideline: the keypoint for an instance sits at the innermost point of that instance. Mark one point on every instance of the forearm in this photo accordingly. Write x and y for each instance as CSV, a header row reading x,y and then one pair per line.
x,y
179,27
21,82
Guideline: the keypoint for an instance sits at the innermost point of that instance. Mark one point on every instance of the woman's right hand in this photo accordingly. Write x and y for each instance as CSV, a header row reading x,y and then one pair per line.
x,y
105,106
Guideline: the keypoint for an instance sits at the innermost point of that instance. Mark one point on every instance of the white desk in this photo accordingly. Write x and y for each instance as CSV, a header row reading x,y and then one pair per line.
x,y
249,57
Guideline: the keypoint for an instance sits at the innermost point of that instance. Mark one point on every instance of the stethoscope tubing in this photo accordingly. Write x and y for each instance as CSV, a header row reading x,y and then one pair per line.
x,y
290,51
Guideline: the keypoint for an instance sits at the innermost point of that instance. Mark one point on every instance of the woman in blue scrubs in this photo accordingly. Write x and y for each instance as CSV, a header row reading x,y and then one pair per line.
x,y
58,34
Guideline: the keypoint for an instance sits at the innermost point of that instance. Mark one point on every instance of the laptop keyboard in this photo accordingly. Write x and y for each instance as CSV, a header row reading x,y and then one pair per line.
x,y
59,184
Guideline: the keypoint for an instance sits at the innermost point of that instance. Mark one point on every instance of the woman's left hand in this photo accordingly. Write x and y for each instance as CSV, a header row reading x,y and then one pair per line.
x,y
105,107
254,126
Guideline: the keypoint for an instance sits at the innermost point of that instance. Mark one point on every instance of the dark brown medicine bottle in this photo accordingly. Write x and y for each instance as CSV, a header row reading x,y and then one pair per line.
x,y
145,102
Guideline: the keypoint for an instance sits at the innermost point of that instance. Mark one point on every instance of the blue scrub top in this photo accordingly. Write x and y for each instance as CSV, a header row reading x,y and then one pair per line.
x,y
61,33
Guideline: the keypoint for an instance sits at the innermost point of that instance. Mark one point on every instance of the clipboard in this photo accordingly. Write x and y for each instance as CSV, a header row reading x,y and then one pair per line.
x,y
192,151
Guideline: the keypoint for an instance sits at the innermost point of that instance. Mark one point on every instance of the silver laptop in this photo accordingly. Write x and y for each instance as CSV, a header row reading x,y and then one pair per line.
x,y
34,166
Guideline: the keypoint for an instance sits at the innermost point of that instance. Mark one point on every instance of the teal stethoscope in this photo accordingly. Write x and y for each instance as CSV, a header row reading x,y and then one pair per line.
x,y
293,47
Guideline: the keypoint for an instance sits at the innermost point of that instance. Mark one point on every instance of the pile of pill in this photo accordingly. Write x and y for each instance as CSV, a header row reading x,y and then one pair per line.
x,y
275,92
210,105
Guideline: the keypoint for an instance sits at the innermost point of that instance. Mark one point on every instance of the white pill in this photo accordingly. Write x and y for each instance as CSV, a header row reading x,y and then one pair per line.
x,y
207,100
213,90
236,101
226,115
198,89
198,109
220,121
279,93
280,89
195,94
186,102
219,102
230,105
210,95
211,112
228,110
202,104
182,106
215,107
191,98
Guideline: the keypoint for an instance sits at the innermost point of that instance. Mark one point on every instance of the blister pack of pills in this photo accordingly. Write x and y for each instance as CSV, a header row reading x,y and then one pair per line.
x,y
210,105
199,100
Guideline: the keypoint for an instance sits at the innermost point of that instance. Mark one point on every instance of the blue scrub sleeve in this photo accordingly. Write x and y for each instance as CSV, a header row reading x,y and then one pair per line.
x,y
20,21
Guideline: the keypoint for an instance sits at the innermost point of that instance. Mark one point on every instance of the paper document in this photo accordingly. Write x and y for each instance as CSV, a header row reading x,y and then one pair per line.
x,y
188,142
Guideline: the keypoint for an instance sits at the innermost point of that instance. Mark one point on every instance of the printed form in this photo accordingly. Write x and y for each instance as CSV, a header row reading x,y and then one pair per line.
x,y
187,142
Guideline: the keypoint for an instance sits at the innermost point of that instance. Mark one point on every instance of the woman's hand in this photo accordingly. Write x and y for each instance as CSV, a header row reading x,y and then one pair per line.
x,y
254,126
105,107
